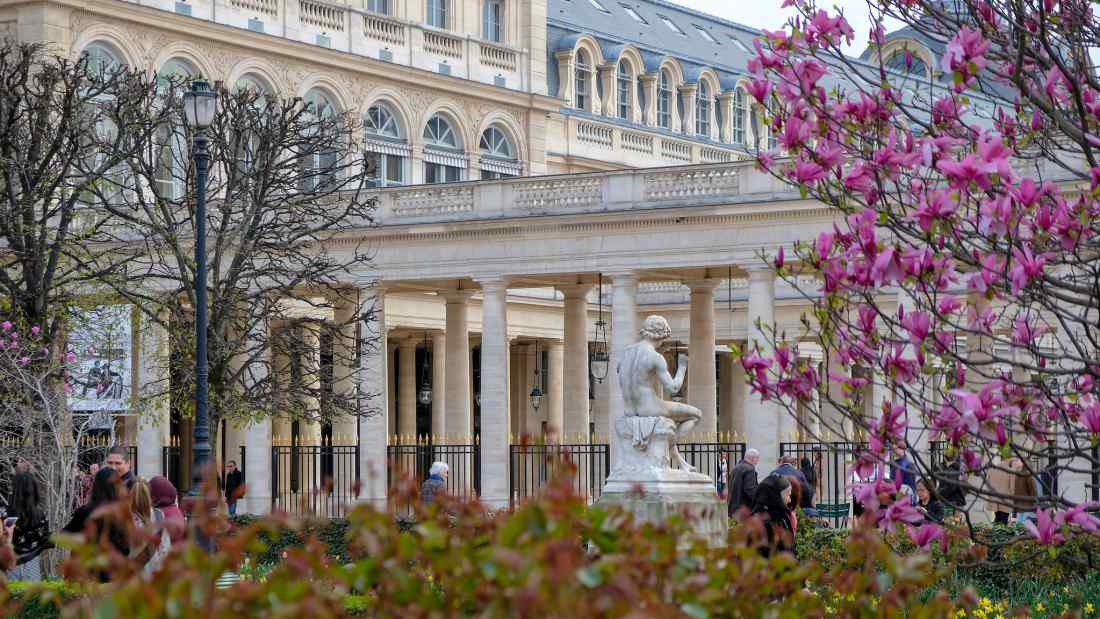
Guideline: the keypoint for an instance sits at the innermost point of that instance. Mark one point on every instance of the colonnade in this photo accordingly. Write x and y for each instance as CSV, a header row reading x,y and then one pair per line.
x,y
574,407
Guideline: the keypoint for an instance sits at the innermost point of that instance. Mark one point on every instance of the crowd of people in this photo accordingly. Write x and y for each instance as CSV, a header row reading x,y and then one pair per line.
x,y
140,519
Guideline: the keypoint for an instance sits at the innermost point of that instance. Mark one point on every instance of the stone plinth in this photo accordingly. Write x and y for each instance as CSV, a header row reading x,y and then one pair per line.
x,y
645,486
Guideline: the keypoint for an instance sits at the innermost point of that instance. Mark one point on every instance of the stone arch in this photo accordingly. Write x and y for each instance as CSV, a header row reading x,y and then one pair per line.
x,y
261,69
336,93
395,102
191,54
111,37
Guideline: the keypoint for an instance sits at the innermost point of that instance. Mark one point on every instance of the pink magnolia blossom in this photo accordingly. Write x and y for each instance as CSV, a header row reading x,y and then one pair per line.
x,y
926,534
1046,529
6,325
1078,516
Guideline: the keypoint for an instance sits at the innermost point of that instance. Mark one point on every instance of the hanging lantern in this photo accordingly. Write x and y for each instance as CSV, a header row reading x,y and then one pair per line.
x,y
598,359
424,393
536,393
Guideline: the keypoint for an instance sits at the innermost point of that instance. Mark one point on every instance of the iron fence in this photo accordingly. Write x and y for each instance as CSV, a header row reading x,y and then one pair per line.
x,y
319,480
533,466
171,466
831,462
414,462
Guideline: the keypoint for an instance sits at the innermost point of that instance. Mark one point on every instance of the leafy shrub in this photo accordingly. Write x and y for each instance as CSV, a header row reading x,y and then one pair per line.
x,y
39,600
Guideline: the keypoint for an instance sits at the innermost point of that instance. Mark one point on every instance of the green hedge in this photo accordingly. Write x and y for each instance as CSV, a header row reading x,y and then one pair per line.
x,y
40,600
332,533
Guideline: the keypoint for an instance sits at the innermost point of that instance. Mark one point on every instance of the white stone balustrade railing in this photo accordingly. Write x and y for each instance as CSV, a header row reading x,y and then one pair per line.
x,y
621,190
594,138
347,26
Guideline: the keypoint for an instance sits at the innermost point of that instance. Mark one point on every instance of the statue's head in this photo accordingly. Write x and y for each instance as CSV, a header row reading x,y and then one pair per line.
x,y
656,328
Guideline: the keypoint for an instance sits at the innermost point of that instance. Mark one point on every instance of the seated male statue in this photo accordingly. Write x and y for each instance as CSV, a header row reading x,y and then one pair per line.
x,y
642,373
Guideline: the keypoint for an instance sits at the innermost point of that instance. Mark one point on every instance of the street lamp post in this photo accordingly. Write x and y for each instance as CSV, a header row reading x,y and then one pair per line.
x,y
199,106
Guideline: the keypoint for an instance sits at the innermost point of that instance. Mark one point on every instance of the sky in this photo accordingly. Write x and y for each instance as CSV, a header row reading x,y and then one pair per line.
x,y
768,14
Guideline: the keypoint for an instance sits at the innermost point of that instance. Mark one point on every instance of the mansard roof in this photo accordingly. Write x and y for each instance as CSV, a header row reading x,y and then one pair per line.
x,y
614,27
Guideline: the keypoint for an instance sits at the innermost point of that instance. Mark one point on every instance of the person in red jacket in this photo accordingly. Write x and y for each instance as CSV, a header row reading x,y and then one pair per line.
x,y
164,499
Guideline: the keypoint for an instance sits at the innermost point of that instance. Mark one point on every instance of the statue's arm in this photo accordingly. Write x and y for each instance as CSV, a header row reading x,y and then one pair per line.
x,y
671,385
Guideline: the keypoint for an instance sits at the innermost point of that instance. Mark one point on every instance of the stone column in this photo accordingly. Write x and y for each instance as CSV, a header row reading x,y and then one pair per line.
x,y
257,437
311,376
688,93
762,418
345,429
439,384
406,391
607,73
725,102
702,387
649,87
153,389
518,409
624,332
575,379
554,397
391,387
459,420
373,429
494,394
731,410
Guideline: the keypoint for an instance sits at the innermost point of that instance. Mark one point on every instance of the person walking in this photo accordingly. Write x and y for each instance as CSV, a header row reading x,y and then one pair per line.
x,y
722,477
773,496
32,531
902,470
163,494
1025,492
234,486
810,488
742,486
1000,479
436,482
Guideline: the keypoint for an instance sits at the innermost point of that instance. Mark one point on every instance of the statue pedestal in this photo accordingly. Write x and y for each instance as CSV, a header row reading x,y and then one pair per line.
x,y
643,485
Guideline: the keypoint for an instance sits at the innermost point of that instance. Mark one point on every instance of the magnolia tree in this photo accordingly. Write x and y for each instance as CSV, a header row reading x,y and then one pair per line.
x,y
38,431
962,280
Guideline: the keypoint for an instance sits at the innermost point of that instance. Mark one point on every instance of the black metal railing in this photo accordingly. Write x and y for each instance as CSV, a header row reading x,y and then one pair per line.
x,y
533,466
414,462
171,466
320,480
831,462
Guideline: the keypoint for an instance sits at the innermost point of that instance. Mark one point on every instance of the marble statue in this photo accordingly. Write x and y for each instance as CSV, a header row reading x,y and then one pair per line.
x,y
642,373
649,477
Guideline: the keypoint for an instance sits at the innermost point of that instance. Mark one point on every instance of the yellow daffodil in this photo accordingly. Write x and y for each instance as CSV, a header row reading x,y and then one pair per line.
x,y
1089,608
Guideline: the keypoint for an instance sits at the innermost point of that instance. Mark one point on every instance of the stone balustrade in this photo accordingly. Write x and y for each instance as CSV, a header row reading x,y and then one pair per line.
x,y
348,27
642,189
604,140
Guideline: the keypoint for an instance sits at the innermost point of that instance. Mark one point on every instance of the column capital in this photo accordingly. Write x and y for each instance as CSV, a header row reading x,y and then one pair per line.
x,y
702,285
408,343
620,278
576,291
492,282
457,296
758,271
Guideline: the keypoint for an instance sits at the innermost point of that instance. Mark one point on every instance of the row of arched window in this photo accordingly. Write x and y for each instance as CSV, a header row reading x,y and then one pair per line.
x,y
732,119
443,152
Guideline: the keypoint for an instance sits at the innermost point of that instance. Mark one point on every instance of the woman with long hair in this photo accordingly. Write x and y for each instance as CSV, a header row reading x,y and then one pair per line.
x,y
773,496
95,519
32,531
795,500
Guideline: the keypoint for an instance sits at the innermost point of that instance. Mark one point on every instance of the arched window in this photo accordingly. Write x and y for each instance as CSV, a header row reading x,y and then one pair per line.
x,y
171,142
664,101
702,109
438,13
738,120
102,59
625,83
444,161
320,164
583,71
498,155
386,138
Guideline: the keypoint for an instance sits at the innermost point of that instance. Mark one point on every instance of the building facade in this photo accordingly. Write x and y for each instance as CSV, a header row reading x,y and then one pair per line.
x,y
551,171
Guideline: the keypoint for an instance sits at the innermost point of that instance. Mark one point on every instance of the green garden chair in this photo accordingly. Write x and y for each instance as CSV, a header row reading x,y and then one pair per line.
x,y
836,511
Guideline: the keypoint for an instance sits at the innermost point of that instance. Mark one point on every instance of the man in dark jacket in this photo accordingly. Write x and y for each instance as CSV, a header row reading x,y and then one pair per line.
x,y
233,481
743,483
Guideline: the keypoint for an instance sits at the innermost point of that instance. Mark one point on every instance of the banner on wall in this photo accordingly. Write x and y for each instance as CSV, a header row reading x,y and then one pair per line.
x,y
102,339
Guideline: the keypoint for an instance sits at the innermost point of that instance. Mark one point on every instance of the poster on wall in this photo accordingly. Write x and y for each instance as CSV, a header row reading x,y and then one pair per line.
x,y
101,338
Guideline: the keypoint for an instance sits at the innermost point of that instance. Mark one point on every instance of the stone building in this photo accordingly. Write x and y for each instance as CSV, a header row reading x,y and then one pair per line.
x,y
534,154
